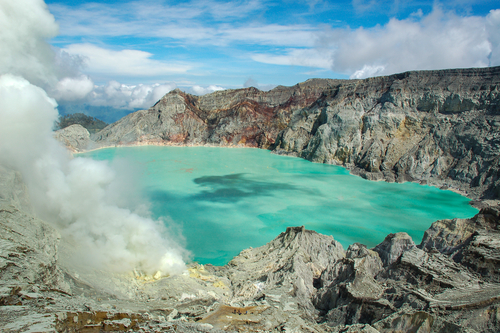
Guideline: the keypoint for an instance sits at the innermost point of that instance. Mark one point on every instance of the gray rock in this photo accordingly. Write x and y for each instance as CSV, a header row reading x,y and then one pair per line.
x,y
28,245
284,272
439,267
417,321
75,137
414,126
448,236
393,246
434,127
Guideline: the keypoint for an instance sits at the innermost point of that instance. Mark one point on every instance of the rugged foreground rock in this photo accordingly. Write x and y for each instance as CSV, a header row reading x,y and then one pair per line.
x,y
436,127
439,127
301,281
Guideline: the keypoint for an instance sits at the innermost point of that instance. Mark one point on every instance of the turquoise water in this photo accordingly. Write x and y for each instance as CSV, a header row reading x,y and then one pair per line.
x,y
228,199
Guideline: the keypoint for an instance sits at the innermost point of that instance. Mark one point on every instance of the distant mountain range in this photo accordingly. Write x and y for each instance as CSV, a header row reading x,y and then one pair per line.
x,y
107,114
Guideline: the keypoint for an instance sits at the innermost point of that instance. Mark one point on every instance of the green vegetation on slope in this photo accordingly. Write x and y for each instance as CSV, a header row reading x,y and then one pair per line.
x,y
92,124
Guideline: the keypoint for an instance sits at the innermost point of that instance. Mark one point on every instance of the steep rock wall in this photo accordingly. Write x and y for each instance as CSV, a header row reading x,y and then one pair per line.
x,y
436,127
245,117
440,127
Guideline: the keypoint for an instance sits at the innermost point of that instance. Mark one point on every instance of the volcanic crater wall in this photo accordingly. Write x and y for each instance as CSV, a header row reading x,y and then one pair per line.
x,y
436,127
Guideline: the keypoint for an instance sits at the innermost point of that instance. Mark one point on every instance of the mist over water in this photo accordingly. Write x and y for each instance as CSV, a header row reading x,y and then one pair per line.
x,y
225,200
83,199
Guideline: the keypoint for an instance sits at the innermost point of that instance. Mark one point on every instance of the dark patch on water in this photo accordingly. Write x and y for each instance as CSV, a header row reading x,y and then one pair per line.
x,y
235,187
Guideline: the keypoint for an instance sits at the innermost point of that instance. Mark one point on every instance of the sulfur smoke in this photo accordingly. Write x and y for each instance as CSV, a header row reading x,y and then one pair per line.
x,y
74,194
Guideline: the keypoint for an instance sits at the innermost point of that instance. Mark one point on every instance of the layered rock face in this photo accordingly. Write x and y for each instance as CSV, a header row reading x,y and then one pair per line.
x,y
436,127
301,281
440,127
76,137
246,117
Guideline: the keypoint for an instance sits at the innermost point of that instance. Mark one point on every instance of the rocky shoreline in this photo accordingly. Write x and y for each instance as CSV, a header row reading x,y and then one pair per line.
x,y
435,127
432,127
301,281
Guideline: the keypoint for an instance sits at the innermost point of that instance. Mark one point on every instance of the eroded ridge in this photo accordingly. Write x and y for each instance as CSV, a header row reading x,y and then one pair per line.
x,y
301,281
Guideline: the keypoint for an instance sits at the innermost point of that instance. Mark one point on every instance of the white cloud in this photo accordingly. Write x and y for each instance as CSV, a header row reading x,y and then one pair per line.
x,y
318,58
436,41
123,62
73,88
193,23
199,90
125,96
493,31
270,34
137,18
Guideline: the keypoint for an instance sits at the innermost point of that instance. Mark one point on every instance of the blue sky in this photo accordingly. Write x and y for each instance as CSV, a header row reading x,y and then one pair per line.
x,y
127,54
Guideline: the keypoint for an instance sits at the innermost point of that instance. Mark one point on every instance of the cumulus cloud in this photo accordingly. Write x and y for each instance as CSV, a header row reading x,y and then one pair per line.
x,y
199,90
123,62
72,88
120,95
438,40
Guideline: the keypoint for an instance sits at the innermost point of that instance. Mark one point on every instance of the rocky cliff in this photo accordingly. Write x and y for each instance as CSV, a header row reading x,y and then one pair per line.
x,y
246,117
436,127
440,127
301,281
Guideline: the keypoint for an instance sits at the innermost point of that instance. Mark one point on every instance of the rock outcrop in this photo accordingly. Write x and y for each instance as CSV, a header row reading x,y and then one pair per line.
x,y
247,117
76,137
435,127
301,281
438,127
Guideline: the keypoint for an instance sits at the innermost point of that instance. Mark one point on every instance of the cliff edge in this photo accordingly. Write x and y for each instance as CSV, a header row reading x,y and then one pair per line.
x,y
434,127
301,281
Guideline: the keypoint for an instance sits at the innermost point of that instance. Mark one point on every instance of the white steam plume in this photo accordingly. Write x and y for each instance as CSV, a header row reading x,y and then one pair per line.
x,y
78,196
25,27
